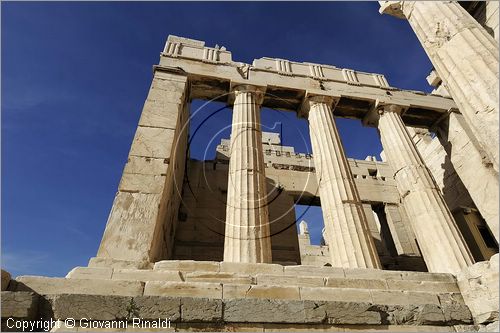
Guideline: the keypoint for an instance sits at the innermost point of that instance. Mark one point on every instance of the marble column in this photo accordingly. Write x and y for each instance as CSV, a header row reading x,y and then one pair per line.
x,y
247,236
350,242
443,247
466,58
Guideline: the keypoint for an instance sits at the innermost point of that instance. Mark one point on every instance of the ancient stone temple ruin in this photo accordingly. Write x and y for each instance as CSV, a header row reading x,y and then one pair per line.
x,y
409,240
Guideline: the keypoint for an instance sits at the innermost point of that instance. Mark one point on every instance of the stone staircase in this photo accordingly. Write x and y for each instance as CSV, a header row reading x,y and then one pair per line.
x,y
236,280
245,293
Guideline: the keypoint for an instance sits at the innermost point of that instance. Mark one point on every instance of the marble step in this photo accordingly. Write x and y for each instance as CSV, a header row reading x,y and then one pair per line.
x,y
211,290
300,270
299,278
186,266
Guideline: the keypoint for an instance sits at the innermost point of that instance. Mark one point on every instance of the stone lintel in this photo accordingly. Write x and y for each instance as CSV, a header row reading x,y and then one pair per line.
x,y
169,70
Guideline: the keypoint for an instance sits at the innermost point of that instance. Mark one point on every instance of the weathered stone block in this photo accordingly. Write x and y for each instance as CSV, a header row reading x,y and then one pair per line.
x,y
335,294
168,85
263,311
165,97
154,307
314,312
201,309
248,268
479,287
314,271
20,304
116,263
368,273
341,312
146,275
45,285
5,280
451,298
251,291
424,276
165,115
90,273
218,277
152,142
146,165
129,233
426,314
187,266
97,307
426,286
137,183
356,283
457,313
288,280
100,307
403,297
184,289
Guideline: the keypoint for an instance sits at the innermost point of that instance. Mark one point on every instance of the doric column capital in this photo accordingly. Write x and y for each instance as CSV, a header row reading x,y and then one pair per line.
x,y
237,88
399,9
382,108
310,100
372,117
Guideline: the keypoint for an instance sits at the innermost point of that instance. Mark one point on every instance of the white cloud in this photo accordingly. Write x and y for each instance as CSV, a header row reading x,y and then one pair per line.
x,y
24,263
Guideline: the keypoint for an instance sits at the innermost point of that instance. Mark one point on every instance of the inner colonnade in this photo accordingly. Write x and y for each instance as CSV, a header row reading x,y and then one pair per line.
x,y
247,227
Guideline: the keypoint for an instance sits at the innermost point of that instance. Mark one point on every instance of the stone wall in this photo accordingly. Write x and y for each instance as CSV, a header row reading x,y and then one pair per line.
x,y
479,287
142,220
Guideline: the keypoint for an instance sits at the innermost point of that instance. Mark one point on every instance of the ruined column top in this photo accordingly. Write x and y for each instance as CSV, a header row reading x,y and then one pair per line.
x,y
213,74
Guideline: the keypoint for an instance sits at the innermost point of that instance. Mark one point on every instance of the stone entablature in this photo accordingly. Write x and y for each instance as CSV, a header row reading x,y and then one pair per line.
x,y
358,91
184,48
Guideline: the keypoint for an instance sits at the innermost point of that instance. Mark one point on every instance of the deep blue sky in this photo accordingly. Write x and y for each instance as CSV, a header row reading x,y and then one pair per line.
x,y
75,77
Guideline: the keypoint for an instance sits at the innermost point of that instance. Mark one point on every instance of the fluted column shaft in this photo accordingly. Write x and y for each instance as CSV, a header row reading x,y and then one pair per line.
x,y
442,245
346,226
466,58
247,236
